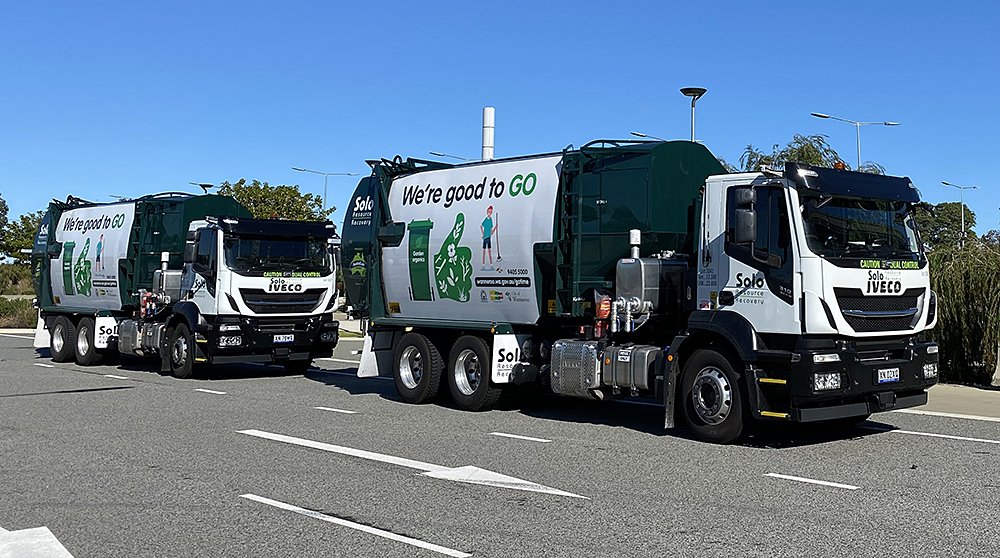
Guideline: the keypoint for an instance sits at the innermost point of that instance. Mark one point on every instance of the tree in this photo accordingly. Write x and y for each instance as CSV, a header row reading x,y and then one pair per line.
x,y
20,234
283,202
811,150
941,225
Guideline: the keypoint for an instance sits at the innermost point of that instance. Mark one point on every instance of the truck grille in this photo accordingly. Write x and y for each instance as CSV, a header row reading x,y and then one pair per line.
x,y
879,313
262,302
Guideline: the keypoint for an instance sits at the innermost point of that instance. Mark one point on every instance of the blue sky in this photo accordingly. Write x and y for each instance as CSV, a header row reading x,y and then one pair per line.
x,y
130,98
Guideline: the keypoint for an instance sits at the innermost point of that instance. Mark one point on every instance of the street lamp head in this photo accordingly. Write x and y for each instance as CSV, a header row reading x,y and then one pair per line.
x,y
298,169
891,123
694,92
819,115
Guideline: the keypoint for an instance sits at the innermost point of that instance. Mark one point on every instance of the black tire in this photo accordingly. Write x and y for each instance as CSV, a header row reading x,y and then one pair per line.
x,y
298,366
83,349
62,339
416,368
712,398
469,373
181,351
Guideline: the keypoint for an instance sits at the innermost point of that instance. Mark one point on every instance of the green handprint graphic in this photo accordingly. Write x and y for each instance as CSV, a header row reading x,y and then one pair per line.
x,y
81,271
453,265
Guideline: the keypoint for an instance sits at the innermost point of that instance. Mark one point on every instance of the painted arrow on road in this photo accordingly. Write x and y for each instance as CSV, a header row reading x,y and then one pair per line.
x,y
468,474
36,543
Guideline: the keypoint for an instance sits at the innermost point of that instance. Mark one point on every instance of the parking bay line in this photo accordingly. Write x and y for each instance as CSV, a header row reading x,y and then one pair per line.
x,y
946,415
344,411
212,391
348,361
116,377
932,435
517,437
43,364
812,481
359,527
16,336
467,474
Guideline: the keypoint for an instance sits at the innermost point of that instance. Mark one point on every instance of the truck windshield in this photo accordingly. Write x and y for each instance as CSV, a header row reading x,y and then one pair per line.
x,y
250,254
861,228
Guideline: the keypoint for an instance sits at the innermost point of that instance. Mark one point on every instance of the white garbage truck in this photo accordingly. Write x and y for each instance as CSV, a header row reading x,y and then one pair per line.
x,y
643,269
191,280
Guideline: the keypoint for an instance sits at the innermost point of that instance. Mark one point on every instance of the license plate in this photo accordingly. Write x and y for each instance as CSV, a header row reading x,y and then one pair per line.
x,y
887,375
290,338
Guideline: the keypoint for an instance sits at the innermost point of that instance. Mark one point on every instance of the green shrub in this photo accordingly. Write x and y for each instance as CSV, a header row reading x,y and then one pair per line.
x,y
967,283
15,279
17,313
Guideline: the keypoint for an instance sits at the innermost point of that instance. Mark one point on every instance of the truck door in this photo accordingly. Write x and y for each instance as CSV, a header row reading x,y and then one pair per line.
x,y
760,284
205,267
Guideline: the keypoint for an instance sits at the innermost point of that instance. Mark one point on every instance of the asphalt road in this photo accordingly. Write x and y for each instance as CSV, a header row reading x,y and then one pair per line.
x,y
144,464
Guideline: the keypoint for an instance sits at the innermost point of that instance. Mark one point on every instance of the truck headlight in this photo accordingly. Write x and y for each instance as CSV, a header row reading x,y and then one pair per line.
x,y
229,327
930,370
826,381
932,349
230,340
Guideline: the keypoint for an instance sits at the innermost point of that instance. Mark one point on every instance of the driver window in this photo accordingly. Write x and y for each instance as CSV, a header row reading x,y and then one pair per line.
x,y
206,249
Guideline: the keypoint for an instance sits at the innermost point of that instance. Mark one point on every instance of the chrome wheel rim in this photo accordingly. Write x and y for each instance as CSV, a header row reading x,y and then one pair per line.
x,y
712,395
411,367
58,338
82,343
467,374
179,351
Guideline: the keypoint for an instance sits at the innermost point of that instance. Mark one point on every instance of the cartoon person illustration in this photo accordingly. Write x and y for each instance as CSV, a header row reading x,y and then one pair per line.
x,y
453,265
489,229
100,248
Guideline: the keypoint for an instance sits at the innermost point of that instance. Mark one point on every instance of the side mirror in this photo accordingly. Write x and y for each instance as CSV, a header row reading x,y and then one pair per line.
x,y
192,236
54,249
746,197
202,269
746,226
190,252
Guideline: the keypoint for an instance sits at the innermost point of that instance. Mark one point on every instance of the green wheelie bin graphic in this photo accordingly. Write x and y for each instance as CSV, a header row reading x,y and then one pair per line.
x,y
453,265
420,282
67,268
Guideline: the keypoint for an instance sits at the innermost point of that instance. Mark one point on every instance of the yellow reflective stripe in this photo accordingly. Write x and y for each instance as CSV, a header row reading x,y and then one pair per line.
x,y
773,415
771,381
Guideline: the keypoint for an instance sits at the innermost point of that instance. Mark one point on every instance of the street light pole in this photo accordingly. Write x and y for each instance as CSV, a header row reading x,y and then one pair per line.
x,y
857,125
695,93
325,176
962,189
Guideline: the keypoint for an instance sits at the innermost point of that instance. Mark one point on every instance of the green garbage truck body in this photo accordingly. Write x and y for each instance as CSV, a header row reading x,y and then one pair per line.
x,y
132,276
628,269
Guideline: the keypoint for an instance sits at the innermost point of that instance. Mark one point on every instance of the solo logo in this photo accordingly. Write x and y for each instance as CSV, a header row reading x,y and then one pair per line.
x,y
749,281
877,283
363,204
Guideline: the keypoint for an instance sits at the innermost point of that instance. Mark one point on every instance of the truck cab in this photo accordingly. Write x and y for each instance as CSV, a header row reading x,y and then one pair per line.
x,y
817,279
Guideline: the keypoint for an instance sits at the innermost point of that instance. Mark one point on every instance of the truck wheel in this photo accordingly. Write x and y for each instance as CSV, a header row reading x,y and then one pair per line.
x,y
84,351
417,367
469,375
298,366
181,347
62,339
712,399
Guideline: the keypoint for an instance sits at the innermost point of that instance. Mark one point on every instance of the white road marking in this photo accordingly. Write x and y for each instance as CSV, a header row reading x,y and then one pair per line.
x,y
359,527
17,336
45,365
517,437
210,391
338,373
646,403
349,361
947,415
812,481
37,543
933,435
116,377
345,411
467,474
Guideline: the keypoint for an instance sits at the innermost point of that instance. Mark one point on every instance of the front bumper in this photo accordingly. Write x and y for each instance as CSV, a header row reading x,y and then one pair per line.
x,y
269,339
861,391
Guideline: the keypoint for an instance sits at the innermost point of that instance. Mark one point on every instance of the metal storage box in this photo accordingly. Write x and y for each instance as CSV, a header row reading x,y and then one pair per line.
x,y
575,367
630,366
